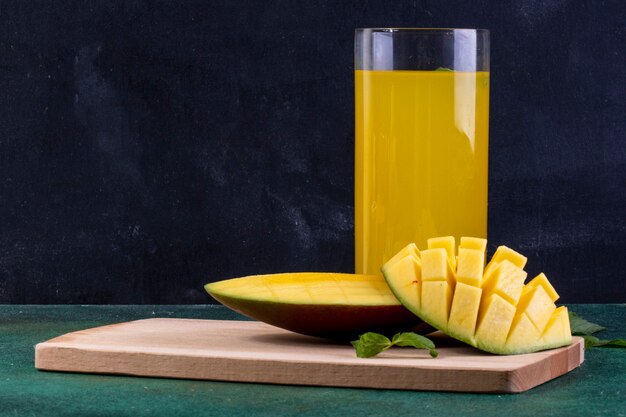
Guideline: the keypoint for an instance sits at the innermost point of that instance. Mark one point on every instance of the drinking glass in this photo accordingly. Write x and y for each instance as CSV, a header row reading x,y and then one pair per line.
x,y
421,145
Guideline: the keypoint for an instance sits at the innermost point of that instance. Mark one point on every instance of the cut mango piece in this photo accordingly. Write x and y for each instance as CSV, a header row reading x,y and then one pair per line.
x,y
409,285
507,280
522,330
464,311
493,311
410,249
504,254
536,303
473,243
437,284
447,243
337,306
436,301
470,266
558,329
542,280
436,267
494,321
467,294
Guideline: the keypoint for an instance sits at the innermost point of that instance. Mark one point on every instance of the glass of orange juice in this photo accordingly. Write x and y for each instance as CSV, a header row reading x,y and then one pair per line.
x,y
421,145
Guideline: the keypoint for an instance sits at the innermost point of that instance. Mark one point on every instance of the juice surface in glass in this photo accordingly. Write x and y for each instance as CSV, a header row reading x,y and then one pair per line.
x,y
421,160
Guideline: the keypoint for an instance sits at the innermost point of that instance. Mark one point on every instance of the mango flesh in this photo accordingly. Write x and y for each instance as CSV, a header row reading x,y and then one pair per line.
x,y
487,306
446,243
330,305
409,284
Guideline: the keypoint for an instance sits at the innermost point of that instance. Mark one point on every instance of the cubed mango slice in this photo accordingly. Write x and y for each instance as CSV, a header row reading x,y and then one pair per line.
x,y
537,305
410,249
447,243
507,280
436,301
489,308
557,330
464,311
494,321
522,330
409,285
470,266
542,280
504,254
473,243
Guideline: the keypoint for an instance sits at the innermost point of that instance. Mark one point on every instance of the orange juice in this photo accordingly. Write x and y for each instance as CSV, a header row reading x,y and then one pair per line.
x,y
420,160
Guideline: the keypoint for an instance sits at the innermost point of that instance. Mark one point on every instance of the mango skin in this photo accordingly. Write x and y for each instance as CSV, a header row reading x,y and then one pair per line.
x,y
336,322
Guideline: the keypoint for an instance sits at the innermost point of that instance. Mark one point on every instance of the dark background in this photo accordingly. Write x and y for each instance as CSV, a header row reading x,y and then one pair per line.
x,y
148,147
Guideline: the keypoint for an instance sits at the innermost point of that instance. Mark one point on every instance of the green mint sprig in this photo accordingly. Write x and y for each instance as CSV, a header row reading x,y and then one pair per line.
x,y
371,344
584,328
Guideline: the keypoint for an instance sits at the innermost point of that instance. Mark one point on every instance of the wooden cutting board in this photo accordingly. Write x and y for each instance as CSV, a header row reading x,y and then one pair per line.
x,y
248,351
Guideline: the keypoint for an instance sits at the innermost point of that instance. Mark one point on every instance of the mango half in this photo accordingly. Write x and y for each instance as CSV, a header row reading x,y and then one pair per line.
x,y
329,305
486,305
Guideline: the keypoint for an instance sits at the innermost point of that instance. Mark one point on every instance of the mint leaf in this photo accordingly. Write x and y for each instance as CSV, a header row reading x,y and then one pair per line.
x,y
616,343
415,340
371,344
582,327
592,341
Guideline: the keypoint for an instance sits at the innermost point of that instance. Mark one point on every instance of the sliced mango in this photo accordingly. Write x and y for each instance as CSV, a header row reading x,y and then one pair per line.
x,y
467,294
507,280
464,311
336,306
436,301
494,321
470,264
537,304
436,266
446,243
558,327
409,286
473,243
522,330
542,280
410,249
504,254
437,284
488,308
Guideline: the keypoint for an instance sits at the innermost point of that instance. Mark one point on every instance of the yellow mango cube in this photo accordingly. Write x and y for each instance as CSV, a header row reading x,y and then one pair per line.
x,y
507,280
447,243
537,304
464,311
504,254
410,249
407,272
542,280
436,267
436,300
494,321
558,328
522,330
470,266
473,243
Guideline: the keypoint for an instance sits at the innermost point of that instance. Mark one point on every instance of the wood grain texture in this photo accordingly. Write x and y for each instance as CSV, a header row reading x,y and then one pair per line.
x,y
247,351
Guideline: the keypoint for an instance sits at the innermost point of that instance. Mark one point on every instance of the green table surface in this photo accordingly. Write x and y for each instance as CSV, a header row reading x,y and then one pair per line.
x,y
597,388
